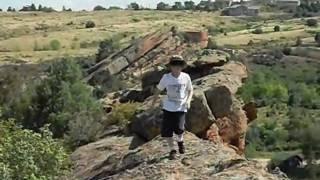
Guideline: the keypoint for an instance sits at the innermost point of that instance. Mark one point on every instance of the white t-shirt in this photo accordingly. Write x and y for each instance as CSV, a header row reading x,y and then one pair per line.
x,y
177,91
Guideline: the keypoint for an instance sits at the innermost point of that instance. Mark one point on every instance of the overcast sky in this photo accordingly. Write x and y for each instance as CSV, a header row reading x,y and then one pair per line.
x,y
81,4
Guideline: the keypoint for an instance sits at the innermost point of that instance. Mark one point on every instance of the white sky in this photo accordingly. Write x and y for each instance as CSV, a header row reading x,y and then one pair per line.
x,y
81,4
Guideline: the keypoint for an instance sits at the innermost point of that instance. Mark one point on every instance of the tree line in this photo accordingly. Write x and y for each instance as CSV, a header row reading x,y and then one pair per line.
x,y
33,7
205,5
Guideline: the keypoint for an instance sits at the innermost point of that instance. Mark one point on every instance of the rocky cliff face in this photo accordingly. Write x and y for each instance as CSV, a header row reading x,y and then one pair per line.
x,y
110,158
217,120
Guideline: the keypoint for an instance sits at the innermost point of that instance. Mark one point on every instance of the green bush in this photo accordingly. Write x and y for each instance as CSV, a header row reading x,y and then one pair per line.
x,y
86,44
90,24
286,51
299,41
214,30
312,22
250,43
55,45
135,20
212,44
28,155
107,47
317,38
63,100
258,31
261,87
277,28
122,114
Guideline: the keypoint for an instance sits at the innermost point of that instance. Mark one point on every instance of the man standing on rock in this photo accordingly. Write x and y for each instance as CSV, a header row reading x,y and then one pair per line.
x,y
179,93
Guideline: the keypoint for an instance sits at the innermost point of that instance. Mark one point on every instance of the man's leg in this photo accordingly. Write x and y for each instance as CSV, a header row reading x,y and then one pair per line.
x,y
167,132
179,130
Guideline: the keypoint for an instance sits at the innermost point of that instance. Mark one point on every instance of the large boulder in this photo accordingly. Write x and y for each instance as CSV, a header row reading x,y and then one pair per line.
x,y
199,117
110,158
147,124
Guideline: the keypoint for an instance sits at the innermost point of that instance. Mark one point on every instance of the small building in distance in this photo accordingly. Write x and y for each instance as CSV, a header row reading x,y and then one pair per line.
x,y
288,4
241,10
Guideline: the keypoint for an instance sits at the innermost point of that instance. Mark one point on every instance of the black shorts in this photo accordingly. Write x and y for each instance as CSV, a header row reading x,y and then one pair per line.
x,y
173,122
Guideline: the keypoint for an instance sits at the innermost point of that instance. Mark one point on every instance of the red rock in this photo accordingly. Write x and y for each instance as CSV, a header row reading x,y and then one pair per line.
x,y
197,37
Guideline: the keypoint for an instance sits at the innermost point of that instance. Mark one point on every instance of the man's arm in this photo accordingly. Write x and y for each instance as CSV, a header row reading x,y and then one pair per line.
x,y
189,98
190,93
157,90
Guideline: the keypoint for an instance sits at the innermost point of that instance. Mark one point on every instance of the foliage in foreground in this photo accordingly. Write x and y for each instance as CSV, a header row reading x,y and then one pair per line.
x,y
28,155
288,119
62,100
122,114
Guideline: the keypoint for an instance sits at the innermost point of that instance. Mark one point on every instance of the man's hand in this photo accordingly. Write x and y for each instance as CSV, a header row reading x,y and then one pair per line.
x,y
189,99
188,104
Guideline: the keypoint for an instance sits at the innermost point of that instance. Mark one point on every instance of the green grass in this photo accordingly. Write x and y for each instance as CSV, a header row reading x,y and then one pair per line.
x,y
45,27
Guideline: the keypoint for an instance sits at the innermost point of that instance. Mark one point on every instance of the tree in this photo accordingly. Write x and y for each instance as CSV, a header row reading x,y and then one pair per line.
x,y
40,7
33,7
277,28
189,5
28,155
134,6
66,9
9,9
177,6
62,100
163,6
47,9
99,8
317,38
114,8
311,147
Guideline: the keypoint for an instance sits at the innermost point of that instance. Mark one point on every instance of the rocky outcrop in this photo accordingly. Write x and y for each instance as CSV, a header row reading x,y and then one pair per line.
x,y
216,79
110,158
217,120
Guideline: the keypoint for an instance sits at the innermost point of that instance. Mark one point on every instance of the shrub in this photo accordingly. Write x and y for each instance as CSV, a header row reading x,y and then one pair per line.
x,y
262,86
212,44
277,28
312,22
99,8
28,155
286,51
136,20
250,43
258,31
55,45
317,38
62,100
298,41
86,44
90,24
107,47
122,114
73,45
213,30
